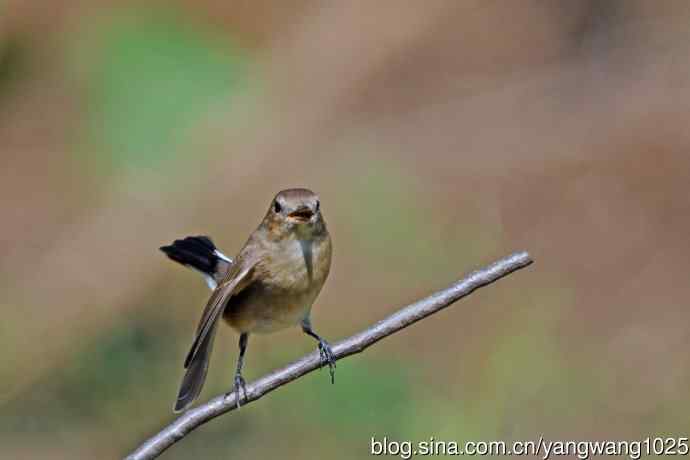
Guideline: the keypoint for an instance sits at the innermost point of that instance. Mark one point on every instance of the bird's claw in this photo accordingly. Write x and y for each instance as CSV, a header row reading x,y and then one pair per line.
x,y
327,358
240,387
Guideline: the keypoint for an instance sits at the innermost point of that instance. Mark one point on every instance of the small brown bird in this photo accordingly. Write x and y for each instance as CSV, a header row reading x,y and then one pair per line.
x,y
270,285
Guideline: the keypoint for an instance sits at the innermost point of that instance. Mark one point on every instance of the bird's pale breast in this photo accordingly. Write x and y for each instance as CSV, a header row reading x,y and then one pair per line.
x,y
289,277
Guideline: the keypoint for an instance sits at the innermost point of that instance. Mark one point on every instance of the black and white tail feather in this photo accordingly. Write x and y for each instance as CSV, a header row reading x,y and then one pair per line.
x,y
200,254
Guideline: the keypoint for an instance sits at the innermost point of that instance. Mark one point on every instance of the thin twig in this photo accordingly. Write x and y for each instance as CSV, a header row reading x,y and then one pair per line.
x,y
357,343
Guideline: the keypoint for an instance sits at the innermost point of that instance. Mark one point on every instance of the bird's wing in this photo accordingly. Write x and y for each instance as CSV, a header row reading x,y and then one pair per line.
x,y
238,277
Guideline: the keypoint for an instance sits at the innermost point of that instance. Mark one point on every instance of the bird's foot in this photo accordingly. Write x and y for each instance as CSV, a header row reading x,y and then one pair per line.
x,y
327,358
240,387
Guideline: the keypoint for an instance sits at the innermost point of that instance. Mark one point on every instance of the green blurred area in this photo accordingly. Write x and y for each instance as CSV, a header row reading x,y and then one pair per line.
x,y
153,74
97,321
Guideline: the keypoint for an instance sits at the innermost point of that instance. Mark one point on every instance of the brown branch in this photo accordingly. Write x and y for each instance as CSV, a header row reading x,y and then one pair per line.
x,y
357,343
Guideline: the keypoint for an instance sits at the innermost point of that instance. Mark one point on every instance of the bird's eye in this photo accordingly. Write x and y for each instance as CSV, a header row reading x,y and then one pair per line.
x,y
318,204
276,206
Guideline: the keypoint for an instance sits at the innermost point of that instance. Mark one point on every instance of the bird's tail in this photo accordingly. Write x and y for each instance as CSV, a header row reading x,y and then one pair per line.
x,y
200,254
195,374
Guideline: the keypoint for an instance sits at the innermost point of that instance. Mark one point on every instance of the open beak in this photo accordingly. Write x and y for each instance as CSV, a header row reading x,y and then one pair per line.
x,y
301,214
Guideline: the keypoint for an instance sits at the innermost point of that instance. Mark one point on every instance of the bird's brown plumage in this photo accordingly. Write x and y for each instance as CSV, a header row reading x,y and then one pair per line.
x,y
271,284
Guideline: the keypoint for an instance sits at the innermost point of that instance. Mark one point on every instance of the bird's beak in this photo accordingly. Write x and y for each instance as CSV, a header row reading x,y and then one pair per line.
x,y
302,214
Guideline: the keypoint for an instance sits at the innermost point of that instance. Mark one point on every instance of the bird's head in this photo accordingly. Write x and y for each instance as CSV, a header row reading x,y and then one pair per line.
x,y
295,211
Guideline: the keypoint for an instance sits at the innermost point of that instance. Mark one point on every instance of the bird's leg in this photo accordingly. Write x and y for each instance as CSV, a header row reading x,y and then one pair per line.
x,y
240,384
325,351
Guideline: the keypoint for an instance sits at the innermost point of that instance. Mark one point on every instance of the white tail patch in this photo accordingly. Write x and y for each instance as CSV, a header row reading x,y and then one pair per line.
x,y
222,256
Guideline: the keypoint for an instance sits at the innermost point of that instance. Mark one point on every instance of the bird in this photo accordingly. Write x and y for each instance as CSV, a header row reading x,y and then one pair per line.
x,y
271,284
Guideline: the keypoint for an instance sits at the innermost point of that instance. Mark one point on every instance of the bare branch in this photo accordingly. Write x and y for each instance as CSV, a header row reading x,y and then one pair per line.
x,y
357,343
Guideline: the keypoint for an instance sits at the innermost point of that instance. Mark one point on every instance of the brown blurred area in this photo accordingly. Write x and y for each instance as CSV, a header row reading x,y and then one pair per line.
x,y
440,136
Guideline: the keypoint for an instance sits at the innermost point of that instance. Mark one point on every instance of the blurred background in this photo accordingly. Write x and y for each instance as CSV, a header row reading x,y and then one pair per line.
x,y
439,135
